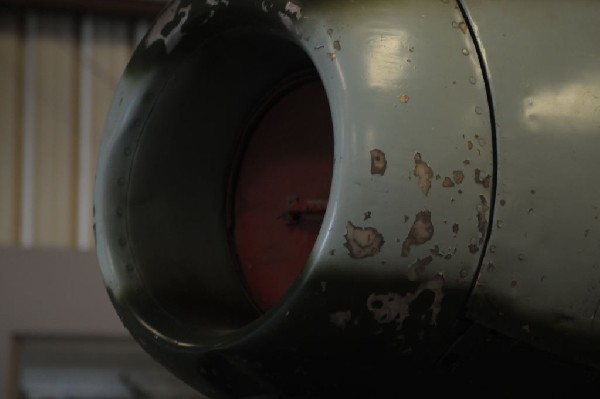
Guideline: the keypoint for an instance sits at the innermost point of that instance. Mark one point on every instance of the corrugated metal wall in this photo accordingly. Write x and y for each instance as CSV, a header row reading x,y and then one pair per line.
x,y
58,72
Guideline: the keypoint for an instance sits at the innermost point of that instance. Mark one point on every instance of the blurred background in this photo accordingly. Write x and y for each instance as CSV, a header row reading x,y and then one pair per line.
x,y
60,61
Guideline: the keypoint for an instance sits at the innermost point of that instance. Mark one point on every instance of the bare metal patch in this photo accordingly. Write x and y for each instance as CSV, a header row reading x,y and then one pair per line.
x,y
391,307
378,162
424,173
484,181
420,232
418,268
362,242
174,36
340,319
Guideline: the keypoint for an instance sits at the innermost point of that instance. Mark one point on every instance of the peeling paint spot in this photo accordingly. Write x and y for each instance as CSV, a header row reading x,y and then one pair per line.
x,y
463,273
337,45
455,228
473,247
586,233
168,16
466,162
470,145
332,56
367,215
438,177
404,99
472,80
485,182
406,218
447,183
463,27
424,172
521,257
513,283
332,252
499,223
530,211
421,231
482,209
493,249
490,267
418,268
391,307
478,110
378,162
465,51
362,242
264,7
458,176
502,202
340,319
320,47
329,32
294,9
532,192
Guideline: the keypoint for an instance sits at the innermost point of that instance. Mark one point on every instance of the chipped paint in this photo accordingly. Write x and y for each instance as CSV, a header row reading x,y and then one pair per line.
x,y
455,229
340,319
482,222
294,10
336,45
332,56
175,35
367,215
404,99
458,176
485,181
362,242
424,173
378,162
392,307
447,183
463,27
418,268
421,231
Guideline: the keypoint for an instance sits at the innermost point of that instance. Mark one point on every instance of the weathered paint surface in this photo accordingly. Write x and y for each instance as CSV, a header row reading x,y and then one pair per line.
x,y
541,275
174,35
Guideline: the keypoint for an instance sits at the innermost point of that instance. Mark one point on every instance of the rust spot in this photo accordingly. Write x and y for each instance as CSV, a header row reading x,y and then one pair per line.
x,y
458,176
418,268
424,172
420,232
466,162
362,242
337,45
485,182
463,27
455,229
447,183
378,162
502,202
404,99
340,319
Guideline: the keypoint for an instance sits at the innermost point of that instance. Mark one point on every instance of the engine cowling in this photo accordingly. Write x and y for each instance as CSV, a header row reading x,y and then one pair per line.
x,y
434,163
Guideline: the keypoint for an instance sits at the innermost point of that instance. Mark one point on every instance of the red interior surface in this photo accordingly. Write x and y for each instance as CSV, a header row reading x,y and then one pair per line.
x,y
285,174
